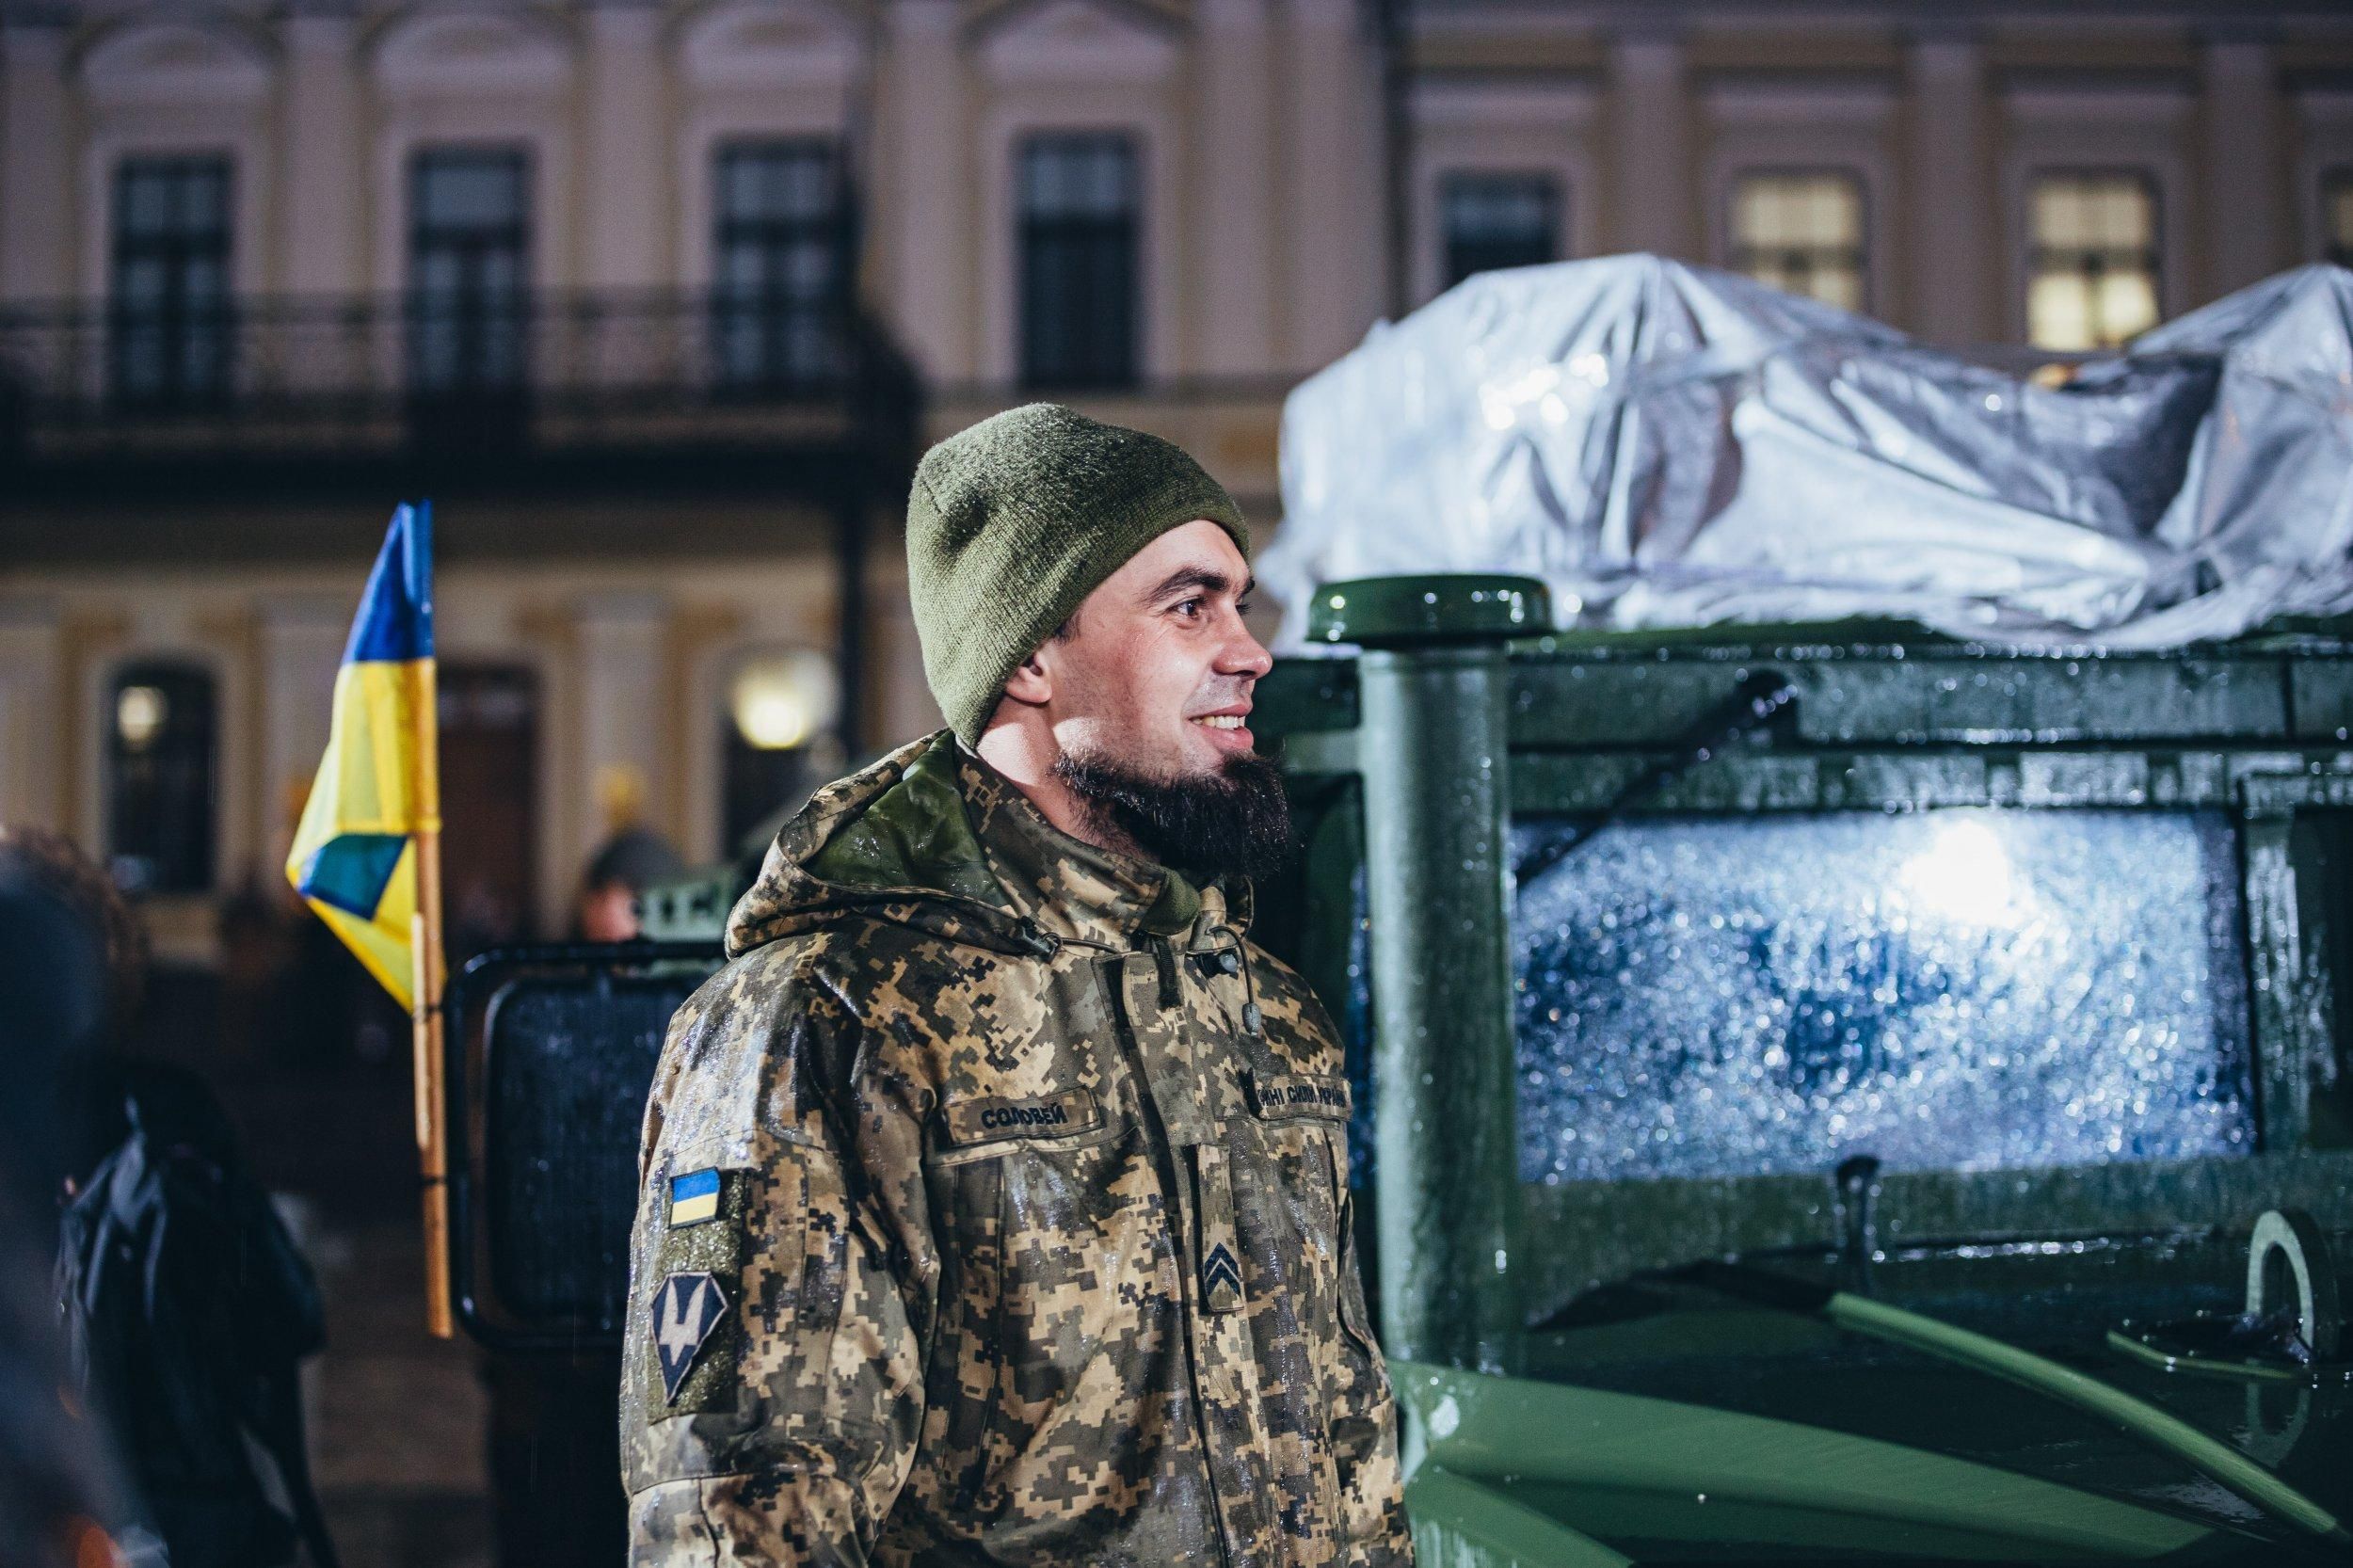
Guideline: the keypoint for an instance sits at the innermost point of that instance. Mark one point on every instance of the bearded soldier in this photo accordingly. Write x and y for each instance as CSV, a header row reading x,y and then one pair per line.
x,y
995,1196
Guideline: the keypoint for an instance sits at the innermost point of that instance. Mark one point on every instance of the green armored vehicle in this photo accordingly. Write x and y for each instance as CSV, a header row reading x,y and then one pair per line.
x,y
1829,1091
1826,1080
1842,1092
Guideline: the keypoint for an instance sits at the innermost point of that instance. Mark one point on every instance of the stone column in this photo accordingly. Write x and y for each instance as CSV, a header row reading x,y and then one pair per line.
x,y
31,789
2244,204
1654,193
930,217
39,215
1952,228
322,217
1233,222
623,194
1334,212
620,647
300,646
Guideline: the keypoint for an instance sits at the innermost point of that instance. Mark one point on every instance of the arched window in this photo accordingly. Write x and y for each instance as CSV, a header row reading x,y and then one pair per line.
x,y
778,743
2336,217
1490,219
163,746
1802,230
169,295
1081,203
2094,264
780,250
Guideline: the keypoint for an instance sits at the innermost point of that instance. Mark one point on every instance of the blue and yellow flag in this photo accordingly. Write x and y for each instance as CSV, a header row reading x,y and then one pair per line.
x,y
379,786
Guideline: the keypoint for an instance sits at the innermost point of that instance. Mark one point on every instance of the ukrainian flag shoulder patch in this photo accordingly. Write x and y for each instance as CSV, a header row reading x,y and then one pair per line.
x,y
694,1198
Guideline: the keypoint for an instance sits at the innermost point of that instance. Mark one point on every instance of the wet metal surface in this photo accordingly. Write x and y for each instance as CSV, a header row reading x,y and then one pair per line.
x,y
1960,989
2054,1297
1437,887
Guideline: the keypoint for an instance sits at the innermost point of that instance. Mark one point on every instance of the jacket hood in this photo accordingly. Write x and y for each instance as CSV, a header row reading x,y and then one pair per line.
x,y
930,837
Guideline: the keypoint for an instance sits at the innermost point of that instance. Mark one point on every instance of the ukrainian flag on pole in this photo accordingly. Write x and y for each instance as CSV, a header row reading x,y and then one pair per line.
x,y
355,856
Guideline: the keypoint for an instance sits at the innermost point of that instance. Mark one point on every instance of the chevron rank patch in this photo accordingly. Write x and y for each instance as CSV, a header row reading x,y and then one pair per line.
x,y
1221,1280
685,1309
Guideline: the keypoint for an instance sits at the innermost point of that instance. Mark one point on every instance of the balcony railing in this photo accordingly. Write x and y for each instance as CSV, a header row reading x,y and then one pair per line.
x,y
643,368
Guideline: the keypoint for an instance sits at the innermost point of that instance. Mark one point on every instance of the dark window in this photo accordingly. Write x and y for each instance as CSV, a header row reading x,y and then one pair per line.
x,y
2093,266
161,756
2336,217
1801,233
468,255
488,750
778,263
169,293
1078,236
1498,220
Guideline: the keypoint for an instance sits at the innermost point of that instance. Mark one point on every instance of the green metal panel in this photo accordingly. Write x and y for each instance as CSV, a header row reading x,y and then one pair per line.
x,y
1887,718
1893,694
1581,1234
1592,1460
1433,752
1460,1523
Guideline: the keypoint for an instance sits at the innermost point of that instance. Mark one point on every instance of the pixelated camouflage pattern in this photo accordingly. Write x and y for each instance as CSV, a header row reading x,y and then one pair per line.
x,y
991,1099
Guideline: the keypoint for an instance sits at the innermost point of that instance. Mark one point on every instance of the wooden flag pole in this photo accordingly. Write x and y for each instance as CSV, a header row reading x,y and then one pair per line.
x,y
426,1017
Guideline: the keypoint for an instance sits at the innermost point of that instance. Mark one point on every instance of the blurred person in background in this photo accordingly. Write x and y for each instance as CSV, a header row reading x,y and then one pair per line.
x,y
73,967
58,925
630,861
185,1305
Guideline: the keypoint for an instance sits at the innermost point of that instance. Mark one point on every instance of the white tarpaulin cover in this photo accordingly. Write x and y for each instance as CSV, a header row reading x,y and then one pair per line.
x,y
1671,445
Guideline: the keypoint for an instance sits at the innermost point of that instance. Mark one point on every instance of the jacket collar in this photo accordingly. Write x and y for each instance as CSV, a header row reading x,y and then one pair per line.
x,y
1075,890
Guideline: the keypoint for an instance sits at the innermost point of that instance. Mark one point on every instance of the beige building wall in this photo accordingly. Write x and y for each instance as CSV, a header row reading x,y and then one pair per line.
x,y
1261,122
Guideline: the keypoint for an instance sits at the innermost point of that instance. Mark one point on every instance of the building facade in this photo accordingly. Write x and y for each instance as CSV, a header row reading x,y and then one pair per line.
x,y
341,240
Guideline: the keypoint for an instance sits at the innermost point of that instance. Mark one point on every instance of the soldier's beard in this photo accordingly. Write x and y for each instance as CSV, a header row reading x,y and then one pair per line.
x,y
1231,821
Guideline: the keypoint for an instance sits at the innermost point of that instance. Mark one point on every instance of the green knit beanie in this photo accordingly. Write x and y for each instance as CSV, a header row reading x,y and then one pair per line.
x,y
1013,522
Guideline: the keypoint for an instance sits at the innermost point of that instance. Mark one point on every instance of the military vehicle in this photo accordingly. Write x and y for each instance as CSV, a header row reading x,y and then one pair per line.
x,y
1837,1094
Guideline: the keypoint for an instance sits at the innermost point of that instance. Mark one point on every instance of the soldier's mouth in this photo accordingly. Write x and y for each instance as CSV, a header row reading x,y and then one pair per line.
x,y
1228,731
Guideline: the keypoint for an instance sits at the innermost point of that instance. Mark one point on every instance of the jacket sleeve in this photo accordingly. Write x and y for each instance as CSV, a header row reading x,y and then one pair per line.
x,y
1364,1437
780,1286
1364,1415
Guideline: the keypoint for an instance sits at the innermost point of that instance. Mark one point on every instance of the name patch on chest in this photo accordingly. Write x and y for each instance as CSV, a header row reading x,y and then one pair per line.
x,y
986,1121
1276,1096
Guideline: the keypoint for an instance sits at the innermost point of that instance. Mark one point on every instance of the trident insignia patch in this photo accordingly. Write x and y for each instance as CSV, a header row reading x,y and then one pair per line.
x,y
685,1310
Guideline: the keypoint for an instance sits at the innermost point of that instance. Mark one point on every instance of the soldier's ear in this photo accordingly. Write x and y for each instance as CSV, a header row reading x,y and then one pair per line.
x,y
1031,682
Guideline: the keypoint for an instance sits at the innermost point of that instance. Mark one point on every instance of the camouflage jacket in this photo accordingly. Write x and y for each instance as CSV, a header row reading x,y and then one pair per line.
x,y
995,1211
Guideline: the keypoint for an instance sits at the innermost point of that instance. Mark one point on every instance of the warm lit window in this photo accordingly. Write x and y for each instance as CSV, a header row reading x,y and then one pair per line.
x,y
2092,279
160,754
468,248
1802,231
1491,221
779,250
781,706
169,299
1078,260
2336,217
